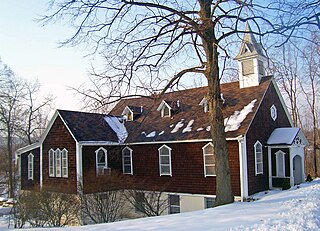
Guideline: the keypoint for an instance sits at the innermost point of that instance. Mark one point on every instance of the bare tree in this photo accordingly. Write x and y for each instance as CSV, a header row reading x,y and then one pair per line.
x,y
149,45
22,118
310,83
287,69
150,203
11,95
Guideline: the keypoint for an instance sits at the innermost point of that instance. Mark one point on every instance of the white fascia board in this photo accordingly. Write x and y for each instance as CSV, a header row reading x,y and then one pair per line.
x,y
97,143
282,102
27,148
161,105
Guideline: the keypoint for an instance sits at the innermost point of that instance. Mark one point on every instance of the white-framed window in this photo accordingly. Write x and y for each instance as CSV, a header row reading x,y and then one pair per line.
x,y
165,160
127,161
209,202
209,160
58,163
51,163
174,204
258,155
64,164
30,166
102,161
280,163
57,156
273,112
165,109
205,104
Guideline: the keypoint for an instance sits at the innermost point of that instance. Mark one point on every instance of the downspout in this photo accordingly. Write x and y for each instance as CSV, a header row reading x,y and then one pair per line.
x,y
243,167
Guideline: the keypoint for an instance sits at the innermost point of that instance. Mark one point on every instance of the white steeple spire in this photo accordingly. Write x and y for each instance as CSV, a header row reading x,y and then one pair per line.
x,y
252,61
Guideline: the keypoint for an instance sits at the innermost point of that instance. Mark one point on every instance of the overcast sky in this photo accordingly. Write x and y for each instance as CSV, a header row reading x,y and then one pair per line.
x,y
32,51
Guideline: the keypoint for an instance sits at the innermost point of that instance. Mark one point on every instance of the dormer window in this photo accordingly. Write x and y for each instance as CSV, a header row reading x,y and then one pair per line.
x,y
130,112
165,109
204,103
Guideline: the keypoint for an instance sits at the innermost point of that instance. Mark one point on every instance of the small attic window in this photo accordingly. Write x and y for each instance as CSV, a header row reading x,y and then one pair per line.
x,y
273,112
130,112
204,103
165,109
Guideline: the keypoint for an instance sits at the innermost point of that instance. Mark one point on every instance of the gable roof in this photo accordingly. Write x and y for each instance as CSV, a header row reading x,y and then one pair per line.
x,y
191,122
86,126
286,136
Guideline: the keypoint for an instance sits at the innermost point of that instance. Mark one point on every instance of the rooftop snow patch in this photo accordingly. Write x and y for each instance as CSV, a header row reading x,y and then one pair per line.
x,y
189,127
117,125
283,136
234,121
151,134
178,126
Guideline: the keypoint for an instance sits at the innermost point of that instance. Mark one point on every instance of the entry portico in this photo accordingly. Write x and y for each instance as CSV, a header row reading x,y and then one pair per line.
x,y
286,156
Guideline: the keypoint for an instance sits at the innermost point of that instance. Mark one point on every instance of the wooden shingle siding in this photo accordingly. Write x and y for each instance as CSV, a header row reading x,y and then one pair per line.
x,y
27,184
59,137
187,168
260,129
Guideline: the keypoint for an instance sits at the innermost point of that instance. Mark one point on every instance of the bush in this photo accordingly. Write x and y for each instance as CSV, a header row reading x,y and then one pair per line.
x,y
50,209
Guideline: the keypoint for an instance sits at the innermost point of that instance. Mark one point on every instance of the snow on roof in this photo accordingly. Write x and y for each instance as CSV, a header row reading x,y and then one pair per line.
x,y
151,134
117,125
188,128
178,126
234,121
283,136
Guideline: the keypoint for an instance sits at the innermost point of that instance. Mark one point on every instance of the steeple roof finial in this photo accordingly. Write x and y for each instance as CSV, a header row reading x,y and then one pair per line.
x,y
249,45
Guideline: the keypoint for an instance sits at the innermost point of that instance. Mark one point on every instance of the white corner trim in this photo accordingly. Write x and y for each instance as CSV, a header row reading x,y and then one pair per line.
x,y
79,167
41,167
243,168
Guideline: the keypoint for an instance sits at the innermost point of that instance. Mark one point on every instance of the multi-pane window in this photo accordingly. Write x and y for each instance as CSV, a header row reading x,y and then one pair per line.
x,y
258,158
30,166
127,160
209,160
174,204
64,165
57,154
209,202
102,161
280,163
165,160
58,163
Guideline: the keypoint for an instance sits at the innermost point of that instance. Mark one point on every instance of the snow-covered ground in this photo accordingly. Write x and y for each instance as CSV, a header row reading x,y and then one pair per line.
x,y
294,209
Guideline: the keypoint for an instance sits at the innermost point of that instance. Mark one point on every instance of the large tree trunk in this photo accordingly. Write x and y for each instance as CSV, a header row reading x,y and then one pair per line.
x,y
224,193
223,179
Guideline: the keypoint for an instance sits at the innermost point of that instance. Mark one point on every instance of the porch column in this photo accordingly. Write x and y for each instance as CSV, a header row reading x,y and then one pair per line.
x,y
291,154
270,167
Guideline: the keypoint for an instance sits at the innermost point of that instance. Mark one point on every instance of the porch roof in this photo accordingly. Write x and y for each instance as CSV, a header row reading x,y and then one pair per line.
x,y
283,136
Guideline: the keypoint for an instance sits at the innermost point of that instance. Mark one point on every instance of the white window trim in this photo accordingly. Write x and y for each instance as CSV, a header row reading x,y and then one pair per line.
x,y
204,160
56,165
278,153
131,165
170,167
273,112
256,163
64,168
51,166
30,166
106,160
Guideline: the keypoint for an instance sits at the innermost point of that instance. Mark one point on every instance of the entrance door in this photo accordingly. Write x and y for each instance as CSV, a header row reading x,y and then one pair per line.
x,y
297,169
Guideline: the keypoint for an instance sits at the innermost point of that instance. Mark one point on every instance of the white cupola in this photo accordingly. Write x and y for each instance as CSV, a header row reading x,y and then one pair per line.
x,y
251,59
